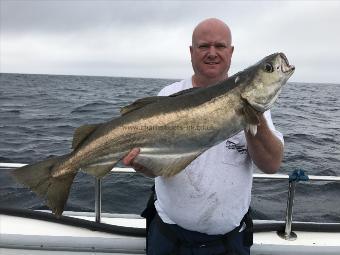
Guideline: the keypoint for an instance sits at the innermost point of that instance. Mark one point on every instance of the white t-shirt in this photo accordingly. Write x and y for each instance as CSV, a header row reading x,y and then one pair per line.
x,y
212,194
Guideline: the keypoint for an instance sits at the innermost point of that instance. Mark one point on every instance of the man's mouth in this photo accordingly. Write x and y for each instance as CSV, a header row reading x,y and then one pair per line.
x,y
211,63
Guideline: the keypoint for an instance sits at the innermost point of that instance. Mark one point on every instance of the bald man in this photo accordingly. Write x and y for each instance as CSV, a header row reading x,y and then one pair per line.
x,y
204,208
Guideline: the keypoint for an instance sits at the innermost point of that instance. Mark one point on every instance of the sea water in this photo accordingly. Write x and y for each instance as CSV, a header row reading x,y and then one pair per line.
x,y
39,113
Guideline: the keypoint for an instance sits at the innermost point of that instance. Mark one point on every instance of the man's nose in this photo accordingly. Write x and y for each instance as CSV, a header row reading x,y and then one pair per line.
x,y
212,51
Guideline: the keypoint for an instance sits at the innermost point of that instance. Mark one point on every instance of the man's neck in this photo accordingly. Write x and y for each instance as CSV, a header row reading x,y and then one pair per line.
x,y
205,82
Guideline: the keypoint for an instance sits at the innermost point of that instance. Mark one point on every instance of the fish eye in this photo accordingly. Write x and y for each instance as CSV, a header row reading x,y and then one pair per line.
x,y
268,68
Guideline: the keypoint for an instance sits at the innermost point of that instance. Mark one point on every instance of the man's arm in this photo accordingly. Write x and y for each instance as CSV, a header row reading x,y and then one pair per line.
x,y
265,149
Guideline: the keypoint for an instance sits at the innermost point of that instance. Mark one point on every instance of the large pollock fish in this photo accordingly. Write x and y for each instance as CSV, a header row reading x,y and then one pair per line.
x,y
170,131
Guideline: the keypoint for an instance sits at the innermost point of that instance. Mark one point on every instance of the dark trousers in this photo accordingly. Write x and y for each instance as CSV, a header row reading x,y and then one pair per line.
x,y
166,239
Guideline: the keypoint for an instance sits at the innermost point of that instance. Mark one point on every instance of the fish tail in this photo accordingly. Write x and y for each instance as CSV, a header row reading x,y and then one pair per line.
x,y
38,177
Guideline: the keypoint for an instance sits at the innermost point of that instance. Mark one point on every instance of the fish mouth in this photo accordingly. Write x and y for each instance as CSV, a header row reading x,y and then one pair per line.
x,y
285,66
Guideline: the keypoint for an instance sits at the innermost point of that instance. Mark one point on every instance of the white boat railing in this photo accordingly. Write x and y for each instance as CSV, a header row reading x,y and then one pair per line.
x,y
294,178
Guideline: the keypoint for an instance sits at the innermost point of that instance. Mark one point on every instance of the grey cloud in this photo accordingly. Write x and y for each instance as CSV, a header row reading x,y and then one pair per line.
x,y
67,16
108,37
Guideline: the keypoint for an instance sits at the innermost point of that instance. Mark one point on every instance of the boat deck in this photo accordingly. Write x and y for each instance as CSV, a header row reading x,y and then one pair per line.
x,y
40,232
124,234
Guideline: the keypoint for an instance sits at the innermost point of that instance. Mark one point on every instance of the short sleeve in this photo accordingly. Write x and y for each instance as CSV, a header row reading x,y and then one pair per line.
x,y
271,126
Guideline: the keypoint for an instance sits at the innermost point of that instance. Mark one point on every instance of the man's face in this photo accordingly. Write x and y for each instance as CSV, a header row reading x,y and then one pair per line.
x,y
211,53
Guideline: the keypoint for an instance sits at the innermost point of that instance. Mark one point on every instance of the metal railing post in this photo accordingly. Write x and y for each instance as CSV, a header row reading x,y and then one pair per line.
x,y
98,199
296,176
288,234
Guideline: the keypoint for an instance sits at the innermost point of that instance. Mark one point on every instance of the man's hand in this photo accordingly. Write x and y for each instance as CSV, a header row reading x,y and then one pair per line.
x,y
128,161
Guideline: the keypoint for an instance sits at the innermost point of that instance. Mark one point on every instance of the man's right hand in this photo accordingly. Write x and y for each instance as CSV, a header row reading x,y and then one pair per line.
x,y
128,161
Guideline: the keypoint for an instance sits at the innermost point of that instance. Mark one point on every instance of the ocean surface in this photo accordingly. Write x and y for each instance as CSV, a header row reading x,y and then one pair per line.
x,y
39,113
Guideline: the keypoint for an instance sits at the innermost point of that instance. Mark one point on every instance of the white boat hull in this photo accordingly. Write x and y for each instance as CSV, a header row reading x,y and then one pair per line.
x,y
19,235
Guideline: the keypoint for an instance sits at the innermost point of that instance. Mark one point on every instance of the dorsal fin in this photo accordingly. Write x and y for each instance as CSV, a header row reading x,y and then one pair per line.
x,y
82,133
182,92
140,103
252,119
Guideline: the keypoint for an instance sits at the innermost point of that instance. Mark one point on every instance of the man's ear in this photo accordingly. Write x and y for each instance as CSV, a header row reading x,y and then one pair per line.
x,y
232,50
191,50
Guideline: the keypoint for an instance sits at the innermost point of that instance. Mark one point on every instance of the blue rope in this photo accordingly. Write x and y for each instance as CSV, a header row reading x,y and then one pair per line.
x,y
298,175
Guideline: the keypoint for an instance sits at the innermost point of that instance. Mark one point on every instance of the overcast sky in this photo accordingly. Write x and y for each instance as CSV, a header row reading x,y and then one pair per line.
x,y
152,38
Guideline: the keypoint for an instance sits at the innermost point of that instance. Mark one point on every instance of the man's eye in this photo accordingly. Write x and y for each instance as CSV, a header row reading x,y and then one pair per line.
x,y
204,46
221,46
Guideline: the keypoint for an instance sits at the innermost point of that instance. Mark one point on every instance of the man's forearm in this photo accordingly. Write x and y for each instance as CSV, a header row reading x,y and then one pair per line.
x,y
265,149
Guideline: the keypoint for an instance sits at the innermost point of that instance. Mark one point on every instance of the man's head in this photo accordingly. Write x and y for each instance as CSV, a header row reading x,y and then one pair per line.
x,y
211,52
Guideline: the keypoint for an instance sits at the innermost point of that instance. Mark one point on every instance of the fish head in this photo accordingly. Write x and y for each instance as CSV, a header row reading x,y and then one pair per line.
x,y
264,80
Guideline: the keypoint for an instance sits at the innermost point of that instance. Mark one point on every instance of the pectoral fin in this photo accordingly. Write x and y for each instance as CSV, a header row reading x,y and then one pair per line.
x,y
252,129
251,115
252,119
